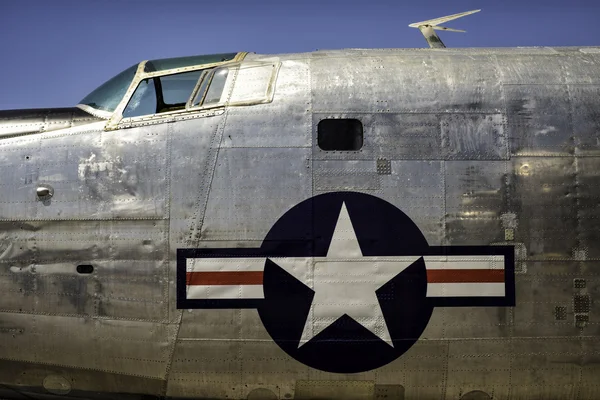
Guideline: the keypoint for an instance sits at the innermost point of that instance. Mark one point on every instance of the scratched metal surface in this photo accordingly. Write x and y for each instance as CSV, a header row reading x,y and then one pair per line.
x,y
477,146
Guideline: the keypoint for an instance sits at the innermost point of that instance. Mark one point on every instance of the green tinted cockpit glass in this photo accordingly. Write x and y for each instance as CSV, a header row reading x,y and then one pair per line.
x,y
108,96
180,62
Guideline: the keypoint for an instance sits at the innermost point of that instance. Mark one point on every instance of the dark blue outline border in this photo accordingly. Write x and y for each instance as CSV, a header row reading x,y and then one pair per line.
x,y
509,300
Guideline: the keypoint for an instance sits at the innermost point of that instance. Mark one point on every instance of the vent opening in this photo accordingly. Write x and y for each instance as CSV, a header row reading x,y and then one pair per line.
x,y
340,134
85,269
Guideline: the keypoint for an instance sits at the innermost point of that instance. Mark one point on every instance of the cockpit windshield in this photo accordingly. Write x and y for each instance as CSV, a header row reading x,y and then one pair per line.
x,y
108,96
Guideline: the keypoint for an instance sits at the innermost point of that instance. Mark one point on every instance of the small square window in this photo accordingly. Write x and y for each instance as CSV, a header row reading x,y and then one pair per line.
x,y
340,134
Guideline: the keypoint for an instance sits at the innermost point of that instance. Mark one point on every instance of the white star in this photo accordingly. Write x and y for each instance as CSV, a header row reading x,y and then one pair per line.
x,y
345,282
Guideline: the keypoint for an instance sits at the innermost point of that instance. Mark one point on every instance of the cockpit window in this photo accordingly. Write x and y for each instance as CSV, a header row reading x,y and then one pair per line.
x,y
171,92
162,94
108,96
143,101
215,82
180,62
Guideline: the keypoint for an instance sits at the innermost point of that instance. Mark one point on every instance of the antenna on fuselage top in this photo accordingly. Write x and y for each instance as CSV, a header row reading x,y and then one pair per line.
x,y
429,27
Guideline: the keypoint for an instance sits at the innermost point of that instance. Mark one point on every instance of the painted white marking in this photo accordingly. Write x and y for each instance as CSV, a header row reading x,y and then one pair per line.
x,y
211,292
464,262
465,289
225,264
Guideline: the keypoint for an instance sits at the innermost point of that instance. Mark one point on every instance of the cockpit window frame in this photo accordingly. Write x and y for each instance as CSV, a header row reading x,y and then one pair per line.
x,y
115,118
120,121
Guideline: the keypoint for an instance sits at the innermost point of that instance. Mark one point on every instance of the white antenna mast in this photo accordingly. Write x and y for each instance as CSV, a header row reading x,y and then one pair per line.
x,y
427,28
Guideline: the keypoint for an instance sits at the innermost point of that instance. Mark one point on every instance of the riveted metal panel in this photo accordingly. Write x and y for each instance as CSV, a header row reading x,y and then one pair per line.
x,y
420,82
476,196
104,175
210,324
585,102
461,322
373,84
422,136
538,296
479,364
206,369
539,120
422,369
545,367
474,137
19,160
404,136
588,204
41,273
126,347
243,184
468,83
331,175
580,68
417,188
285,122
266,362
192,156
544,201
351,390
537,69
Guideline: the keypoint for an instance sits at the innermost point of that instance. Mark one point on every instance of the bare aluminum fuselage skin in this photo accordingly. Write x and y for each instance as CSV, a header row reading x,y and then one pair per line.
x,y
486,146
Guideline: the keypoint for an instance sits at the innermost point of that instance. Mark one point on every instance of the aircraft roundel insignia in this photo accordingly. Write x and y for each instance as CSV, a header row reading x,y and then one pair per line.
x,y
345,282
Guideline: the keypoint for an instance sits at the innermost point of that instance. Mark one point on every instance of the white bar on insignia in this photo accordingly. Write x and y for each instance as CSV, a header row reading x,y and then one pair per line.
x,y
465,289
225,264
210,292
464,262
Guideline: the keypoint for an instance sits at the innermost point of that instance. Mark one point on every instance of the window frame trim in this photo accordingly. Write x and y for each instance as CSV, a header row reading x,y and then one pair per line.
x,y
116,120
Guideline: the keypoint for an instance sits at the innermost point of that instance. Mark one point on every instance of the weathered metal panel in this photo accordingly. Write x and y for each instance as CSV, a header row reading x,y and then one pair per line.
x,y
580,68
422,136
539,120
30,121
76,382
585,103
105,175
587,183
403,136
530,69
545,203
474,137
245,200
476,196
125,347
19,160
192,155
285,122
422,369
417,188
425,82
546,368
331,175
479,364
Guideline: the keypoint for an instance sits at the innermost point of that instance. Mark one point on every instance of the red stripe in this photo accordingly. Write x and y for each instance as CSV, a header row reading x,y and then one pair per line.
x,y
465,275
225,278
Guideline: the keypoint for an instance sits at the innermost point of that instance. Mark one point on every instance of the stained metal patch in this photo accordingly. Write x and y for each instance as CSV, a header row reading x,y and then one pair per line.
x,y
581,303
579,283
384,166
560,313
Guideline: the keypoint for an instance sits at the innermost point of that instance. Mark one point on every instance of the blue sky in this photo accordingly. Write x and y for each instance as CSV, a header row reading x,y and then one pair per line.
x,y
56,51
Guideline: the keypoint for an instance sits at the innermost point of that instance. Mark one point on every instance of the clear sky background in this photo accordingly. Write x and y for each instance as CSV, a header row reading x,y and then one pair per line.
x,y
54,52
